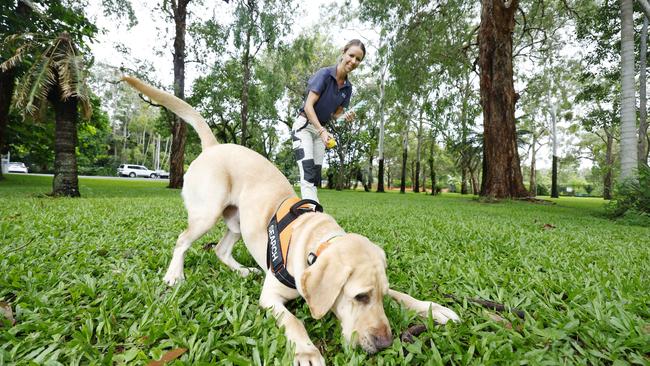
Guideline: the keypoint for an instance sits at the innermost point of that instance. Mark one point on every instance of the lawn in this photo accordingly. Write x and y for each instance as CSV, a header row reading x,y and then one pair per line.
x,y
83,280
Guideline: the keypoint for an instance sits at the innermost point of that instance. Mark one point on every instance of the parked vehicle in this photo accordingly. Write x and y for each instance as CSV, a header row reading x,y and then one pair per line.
x,y
162,174
17,167
130,170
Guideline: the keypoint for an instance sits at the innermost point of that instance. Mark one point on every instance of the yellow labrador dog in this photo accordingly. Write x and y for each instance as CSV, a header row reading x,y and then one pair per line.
x,y
245,189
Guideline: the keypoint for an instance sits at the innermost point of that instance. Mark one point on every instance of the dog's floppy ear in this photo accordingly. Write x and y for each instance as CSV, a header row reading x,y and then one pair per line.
x,y
322,282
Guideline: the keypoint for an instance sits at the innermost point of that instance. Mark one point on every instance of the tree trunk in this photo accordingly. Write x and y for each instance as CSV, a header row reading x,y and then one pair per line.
x,y
554,188
502,173
368,186
244,92
609,167
416,189
405,146
412,170
382,123
340,171
424,180
432,171
533,174
380,176
628,103
7,83
474,179
463,179
389,179
66,181
179,128
642,145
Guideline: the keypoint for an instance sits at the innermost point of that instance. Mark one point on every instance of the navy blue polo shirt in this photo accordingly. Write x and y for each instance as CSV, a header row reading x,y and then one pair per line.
x,y
323,83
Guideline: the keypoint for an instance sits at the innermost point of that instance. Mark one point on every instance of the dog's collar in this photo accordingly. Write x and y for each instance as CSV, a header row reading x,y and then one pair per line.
x,y
311,257
280,229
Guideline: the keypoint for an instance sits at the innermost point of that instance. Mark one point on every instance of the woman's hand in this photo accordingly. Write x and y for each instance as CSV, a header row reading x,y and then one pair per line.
x,y
324,135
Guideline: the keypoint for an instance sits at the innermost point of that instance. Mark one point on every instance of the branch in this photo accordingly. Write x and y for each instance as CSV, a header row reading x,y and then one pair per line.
x,y
148,101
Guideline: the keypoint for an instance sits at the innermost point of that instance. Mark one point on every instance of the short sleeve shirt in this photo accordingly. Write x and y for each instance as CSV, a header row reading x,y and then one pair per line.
x,y
323,83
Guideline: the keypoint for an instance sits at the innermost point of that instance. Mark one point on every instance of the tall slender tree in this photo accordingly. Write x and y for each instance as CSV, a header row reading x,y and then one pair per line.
x,y
177,10
643,138
628,103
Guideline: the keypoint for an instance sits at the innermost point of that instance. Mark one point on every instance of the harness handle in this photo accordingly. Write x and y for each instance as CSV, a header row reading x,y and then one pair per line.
x,y
296,206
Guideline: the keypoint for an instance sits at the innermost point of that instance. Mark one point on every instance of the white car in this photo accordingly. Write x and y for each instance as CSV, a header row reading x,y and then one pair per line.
x,y
17,167
162,174
130,170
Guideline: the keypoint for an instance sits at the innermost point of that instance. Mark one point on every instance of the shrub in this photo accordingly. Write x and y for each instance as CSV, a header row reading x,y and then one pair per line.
x,y
632,199
542,190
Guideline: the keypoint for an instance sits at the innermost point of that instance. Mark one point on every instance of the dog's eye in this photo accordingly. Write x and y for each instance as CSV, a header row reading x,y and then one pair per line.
x,y
362,298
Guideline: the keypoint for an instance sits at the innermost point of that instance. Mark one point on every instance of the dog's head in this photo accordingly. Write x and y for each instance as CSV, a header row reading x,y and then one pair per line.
x,y
349,278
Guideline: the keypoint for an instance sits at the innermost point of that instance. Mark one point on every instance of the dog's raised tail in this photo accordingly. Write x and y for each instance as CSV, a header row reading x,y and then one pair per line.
x,y
179,107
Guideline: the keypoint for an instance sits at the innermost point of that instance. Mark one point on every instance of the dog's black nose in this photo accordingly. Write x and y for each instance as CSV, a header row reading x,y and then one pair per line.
x,y
382,341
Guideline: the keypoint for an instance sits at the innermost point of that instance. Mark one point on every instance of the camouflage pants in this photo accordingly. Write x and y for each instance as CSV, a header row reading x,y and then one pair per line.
x,y
309,151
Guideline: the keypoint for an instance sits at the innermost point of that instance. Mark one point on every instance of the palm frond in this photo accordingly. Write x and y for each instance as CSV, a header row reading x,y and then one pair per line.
x,y
17,37
15,59
23,51
84,98
35,85
71,70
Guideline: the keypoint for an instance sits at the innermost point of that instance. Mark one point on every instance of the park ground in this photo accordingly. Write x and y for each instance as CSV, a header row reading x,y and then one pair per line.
x,y
81,281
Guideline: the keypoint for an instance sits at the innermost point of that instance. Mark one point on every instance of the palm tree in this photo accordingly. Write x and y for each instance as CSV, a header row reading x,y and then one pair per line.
x,y
57,75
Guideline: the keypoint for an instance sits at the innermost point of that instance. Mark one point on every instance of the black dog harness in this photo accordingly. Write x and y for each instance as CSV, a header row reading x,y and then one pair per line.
x,y
280,229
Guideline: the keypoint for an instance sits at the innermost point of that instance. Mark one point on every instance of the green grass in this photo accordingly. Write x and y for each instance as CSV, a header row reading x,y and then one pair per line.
x,y
84,280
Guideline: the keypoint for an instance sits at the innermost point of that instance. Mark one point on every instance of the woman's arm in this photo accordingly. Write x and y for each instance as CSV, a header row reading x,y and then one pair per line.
x,y
312,98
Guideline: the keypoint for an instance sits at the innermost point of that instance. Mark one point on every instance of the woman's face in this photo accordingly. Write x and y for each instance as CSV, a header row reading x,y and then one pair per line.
x,y
352,58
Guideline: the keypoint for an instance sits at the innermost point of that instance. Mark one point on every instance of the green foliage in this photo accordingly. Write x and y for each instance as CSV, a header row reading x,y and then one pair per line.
x,y
632,199
31,142
93,143
543,190
84,280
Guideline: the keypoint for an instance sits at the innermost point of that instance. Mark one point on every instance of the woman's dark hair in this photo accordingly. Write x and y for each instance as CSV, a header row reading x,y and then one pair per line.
x,y
355,42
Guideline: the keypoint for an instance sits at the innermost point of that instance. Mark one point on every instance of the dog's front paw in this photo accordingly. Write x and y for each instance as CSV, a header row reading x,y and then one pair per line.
x,y
442,314
173,277
308,356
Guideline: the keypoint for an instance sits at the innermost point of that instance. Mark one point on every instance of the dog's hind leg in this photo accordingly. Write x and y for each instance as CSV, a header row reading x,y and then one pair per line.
x,y
197,227
225,246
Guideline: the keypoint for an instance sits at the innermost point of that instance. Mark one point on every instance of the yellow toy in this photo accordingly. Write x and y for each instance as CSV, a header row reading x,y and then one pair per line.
x,y
331,143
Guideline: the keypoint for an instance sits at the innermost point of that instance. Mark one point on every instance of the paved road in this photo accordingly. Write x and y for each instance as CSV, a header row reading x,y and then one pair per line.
x,y
103,177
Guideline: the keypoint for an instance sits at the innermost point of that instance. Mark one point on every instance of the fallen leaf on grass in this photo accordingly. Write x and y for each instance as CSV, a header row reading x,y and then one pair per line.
x,y
548,226
646,328
169,356
6,311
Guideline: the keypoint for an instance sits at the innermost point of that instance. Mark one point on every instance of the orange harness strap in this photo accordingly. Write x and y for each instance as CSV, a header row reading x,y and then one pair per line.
x,y
280,229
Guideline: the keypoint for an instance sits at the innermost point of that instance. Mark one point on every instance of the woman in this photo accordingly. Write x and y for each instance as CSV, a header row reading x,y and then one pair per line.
x,y
328,93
